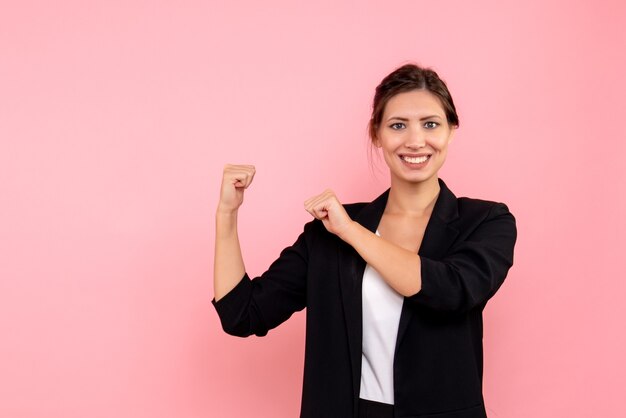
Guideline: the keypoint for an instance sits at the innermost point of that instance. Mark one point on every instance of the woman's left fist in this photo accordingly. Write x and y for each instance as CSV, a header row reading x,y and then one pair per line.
x,y
327,208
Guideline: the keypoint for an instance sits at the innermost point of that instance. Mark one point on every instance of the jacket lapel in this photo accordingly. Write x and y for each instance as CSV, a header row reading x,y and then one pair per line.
x,y
351,268
437,239
439,234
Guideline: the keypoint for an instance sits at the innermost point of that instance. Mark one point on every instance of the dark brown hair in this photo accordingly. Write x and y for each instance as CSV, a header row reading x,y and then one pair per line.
x,y
407,78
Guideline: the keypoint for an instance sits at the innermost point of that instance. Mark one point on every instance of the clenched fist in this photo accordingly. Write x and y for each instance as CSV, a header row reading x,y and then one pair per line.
x,y
327,208
236,178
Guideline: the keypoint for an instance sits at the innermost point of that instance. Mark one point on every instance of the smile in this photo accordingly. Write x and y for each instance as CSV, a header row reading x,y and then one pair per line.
x,y
415,160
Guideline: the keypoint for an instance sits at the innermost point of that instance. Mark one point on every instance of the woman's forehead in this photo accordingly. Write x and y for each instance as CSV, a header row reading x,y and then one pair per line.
x,y
414,102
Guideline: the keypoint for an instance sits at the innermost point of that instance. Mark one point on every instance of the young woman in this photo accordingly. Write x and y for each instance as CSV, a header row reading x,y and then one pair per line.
x,y
394,288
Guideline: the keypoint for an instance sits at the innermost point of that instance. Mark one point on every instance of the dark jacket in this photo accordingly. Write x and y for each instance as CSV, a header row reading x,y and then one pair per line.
x,y
465,254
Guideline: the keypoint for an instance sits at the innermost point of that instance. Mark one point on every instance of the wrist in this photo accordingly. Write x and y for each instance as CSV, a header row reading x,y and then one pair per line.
x,y
226,212
226,220
348,232
225,224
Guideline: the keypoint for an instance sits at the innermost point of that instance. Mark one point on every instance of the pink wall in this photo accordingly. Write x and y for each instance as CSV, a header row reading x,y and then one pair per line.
x,y
116,120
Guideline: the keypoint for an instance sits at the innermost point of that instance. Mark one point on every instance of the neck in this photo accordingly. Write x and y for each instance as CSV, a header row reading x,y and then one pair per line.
x,y
412,199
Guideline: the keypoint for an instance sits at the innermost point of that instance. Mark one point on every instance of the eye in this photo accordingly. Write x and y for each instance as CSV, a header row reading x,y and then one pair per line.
x,y
431,125
397,126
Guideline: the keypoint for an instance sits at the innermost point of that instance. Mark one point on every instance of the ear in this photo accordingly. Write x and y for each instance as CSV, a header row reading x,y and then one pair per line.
x,y
451,137
376,142
373,129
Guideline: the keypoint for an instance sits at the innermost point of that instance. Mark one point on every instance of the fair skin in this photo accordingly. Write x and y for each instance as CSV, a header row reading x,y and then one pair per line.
x,y
413,128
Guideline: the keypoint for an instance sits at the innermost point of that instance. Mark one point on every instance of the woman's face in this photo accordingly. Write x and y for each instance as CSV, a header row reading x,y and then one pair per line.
x,y
414,135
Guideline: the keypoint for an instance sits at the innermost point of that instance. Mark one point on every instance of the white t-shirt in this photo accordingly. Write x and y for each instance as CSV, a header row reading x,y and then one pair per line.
x,y
381,316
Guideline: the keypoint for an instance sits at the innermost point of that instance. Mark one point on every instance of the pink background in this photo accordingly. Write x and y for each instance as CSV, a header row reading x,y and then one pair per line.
x,y
116,120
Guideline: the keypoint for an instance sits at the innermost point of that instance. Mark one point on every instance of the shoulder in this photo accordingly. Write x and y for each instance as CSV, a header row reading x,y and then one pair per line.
x,y
486,219
476,214
468,206
473,215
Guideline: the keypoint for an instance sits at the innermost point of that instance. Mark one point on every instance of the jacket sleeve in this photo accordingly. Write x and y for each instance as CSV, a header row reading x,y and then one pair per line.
x,y
254,306
474,269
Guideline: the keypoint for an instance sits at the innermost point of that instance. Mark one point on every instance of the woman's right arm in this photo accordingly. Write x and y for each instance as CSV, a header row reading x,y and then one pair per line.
x,y
254,305
228,267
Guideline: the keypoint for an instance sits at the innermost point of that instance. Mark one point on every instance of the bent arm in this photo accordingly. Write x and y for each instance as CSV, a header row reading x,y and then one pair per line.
x,y
228,267
398,266
255,305
252,306
466,277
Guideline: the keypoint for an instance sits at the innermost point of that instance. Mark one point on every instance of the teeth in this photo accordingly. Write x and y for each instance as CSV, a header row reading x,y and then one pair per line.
x,y
415,160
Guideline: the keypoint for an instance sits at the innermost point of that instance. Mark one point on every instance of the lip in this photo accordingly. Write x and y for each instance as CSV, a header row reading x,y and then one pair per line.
x,y
412,155
414,166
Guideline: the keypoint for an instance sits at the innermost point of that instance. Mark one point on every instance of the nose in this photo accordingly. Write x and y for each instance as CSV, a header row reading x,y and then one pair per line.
x,y
416,139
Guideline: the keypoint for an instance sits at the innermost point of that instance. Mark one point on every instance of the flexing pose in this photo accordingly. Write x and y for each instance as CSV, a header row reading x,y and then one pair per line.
x,y
394,288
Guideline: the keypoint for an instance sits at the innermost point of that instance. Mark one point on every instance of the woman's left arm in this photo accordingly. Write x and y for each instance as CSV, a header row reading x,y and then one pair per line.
x,y
398,266
465,278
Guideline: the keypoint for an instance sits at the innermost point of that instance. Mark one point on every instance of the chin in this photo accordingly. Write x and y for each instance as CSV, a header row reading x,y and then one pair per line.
x,y
415,179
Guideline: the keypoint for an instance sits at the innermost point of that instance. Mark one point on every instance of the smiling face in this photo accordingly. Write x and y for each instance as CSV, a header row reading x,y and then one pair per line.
x,y
414,135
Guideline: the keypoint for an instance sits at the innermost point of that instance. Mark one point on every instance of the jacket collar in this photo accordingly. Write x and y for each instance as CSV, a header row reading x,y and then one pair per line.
x,y
445,209
438,237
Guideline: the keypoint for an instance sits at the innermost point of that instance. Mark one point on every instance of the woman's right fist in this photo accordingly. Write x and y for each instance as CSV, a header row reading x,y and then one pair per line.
x,y
236,178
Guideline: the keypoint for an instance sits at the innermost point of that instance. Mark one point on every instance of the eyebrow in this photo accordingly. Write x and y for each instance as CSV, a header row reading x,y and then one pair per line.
x,y
407,119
